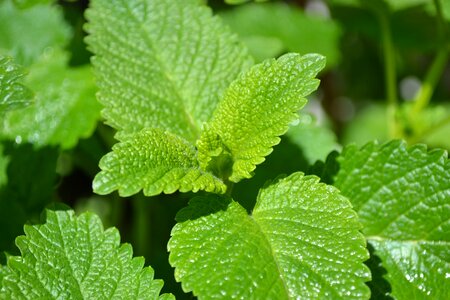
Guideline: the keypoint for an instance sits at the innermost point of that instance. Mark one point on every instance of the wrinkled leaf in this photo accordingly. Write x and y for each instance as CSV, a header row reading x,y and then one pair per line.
x,y
161,64
154,161
73,257
402,197
256,109
300,242
13,94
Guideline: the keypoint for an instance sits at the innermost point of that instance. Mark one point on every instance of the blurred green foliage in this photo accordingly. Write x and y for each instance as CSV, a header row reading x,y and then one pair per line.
x,y
360,99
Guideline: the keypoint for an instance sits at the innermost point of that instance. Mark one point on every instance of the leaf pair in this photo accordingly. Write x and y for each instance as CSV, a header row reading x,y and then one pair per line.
x,y
167,86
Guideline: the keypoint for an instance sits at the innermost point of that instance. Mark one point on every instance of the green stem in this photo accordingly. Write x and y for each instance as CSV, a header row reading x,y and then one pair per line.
x,y
435,71
390,73
390,77
429,84
141,224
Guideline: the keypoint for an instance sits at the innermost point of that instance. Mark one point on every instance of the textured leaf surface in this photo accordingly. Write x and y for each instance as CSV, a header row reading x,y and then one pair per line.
x,y
402,196
257,108
161,64
301,242
13,93
261,25
155,161
65,107
25,34
72,257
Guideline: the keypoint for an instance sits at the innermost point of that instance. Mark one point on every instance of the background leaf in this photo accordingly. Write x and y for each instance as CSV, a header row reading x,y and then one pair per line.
x,y
13,93
73,257
315,140
155,161
161,64
402,197
27,33
65,107
284,28
268,97
28,187
296,244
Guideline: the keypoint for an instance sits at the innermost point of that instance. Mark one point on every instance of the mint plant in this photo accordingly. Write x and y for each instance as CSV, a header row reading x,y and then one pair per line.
x,y
172,113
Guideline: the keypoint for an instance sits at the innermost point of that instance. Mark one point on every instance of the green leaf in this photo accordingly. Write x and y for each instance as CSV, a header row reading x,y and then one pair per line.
x,y
242,1
13,94
65,107
73,257
26,34
301,242
402,196
4,160
161,64
316,141
269,25
30,3
256,109
155,161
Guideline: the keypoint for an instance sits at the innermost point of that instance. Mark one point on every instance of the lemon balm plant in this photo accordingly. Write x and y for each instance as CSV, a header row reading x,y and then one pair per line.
x,y
193,112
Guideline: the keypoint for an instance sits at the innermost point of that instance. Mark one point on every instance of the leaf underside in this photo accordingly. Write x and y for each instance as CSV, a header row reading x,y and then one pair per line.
x,y
72,257
256,109
155,161
161,64
301,241
402,196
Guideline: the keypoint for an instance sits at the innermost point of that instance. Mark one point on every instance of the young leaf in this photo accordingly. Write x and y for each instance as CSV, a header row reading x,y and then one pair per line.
x,y
65,107
402,196
155,161
26,34
161,64
301,242
73,257
13,93
256,109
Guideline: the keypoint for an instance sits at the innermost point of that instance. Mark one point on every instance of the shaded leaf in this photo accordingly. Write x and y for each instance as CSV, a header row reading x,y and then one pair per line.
x,y
28,187
280,28
13,93
402,196
316,141
65,107
301,241
26,34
